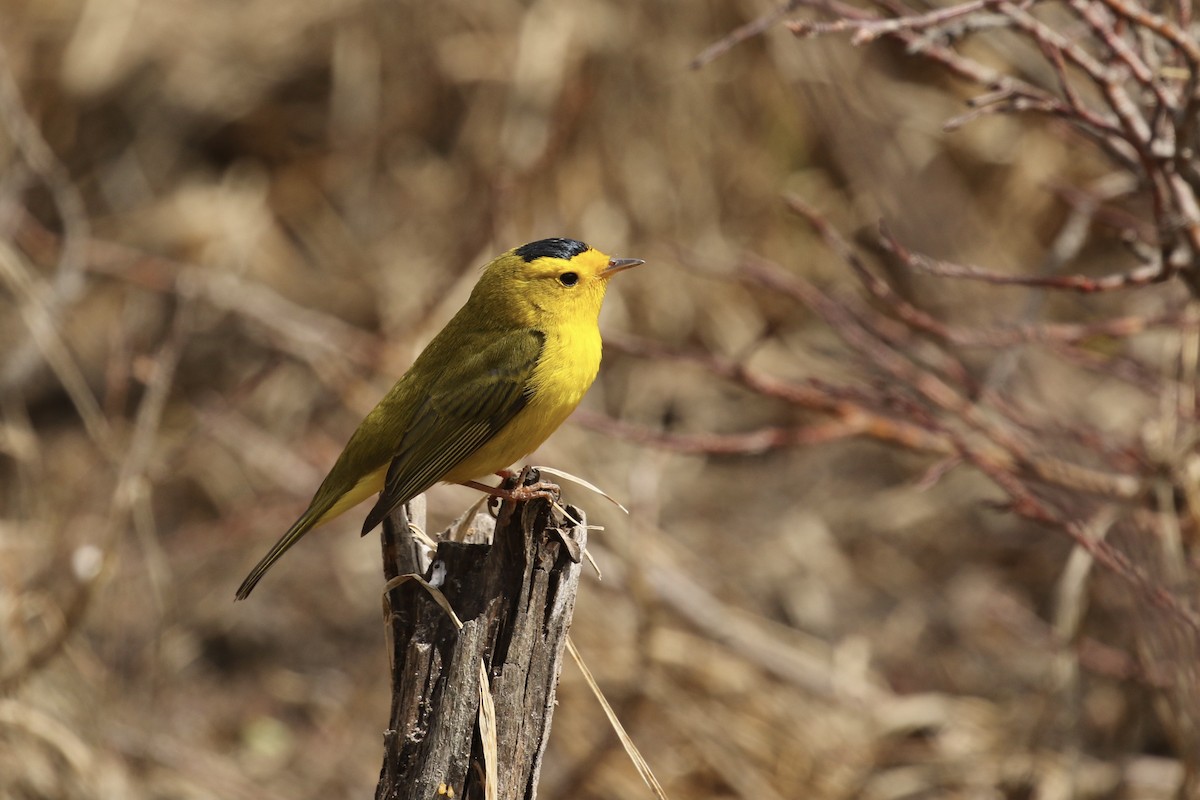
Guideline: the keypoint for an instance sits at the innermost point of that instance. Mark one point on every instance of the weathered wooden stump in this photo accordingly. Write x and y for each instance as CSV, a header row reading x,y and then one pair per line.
x,y
515,597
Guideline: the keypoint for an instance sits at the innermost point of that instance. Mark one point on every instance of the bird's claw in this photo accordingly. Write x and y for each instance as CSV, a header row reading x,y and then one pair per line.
x,y
518,487
551,491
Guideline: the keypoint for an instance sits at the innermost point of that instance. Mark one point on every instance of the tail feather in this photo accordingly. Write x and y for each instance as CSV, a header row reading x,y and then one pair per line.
x,y
298,529
331,500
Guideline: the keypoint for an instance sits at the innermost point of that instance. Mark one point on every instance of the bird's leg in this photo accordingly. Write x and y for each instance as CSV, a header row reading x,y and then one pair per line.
x,y
531,487
520,493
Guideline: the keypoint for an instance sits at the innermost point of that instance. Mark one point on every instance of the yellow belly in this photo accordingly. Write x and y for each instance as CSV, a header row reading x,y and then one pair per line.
x,y
532,426
562,377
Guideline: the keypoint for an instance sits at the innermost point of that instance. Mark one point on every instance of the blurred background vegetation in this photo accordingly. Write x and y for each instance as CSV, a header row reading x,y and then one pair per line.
x,y
230,225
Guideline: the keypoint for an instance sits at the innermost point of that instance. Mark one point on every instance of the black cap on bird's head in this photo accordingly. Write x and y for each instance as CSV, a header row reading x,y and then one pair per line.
x,y
553,248
571,264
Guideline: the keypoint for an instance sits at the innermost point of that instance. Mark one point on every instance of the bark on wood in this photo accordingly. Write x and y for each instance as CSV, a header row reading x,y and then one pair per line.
x,y
515,597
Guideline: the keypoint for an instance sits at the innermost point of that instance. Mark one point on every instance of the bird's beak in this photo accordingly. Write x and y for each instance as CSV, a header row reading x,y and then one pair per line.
x,y
616,265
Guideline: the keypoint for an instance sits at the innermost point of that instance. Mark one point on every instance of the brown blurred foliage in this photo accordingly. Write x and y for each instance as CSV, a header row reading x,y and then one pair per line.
x,y
228,227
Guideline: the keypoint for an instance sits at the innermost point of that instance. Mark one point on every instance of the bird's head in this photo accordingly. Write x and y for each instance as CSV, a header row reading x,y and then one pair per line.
x,y
548,279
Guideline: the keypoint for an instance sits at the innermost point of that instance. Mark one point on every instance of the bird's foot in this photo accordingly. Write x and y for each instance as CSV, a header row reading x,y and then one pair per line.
x,y
519,486
529,491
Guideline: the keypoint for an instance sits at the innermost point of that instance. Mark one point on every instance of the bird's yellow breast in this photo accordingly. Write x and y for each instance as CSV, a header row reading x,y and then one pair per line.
x,y
569,362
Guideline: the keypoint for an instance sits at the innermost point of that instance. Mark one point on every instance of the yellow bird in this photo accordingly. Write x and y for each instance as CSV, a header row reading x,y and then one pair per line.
x,y
503,374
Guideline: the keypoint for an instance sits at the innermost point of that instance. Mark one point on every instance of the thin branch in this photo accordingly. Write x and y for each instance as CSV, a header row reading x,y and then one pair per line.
x,y
738,35
1160,26
1136,278
851,423
868,30
67,284
1028,505
129,492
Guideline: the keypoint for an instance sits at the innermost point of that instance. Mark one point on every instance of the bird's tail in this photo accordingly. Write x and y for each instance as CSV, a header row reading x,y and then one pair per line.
x,y
300,527
331,500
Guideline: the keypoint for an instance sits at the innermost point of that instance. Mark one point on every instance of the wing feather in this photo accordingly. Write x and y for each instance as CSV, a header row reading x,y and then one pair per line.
x,y
459,417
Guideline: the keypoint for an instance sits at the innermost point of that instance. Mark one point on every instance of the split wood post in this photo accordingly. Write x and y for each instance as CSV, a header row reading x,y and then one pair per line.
x,y
515,597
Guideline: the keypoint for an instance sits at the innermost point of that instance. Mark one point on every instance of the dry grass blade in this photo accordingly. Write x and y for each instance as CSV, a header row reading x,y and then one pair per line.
x,y
129,495
585,484
487,734
73,751
44,330
592,561
635,755
434,592
1071,599
67,286
425,540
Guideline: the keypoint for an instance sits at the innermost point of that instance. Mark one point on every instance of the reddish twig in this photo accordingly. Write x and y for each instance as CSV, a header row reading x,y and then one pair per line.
x,y
868,30
851,422
1143,276
1160,26
748,31
1026,504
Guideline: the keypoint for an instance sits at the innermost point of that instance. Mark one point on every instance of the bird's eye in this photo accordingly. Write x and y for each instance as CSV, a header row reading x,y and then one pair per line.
x,y
568,278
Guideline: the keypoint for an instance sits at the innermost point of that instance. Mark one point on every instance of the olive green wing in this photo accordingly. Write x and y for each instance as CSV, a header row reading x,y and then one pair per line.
x,y
459,416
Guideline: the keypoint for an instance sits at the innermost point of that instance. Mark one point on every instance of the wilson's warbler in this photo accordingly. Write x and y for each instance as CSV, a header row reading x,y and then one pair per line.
x,y
502,375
